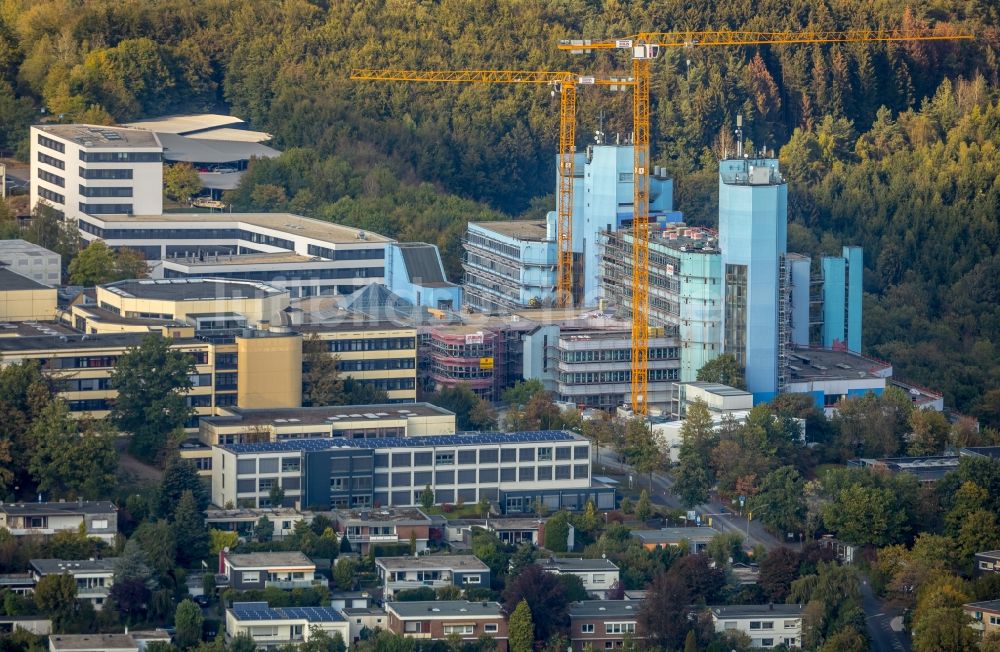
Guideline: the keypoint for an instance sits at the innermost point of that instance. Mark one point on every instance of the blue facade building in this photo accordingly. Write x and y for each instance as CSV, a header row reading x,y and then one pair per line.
x,y
842,287
414,272
753,220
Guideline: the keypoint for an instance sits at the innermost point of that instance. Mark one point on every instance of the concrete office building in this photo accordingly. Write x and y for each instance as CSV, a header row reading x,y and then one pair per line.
x,y
24,299
305,256
96,170
685,288
30,260
513,470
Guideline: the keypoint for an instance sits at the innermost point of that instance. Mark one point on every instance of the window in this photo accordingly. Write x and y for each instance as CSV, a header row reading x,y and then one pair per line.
x,y
51,144
251,577
587,628
599,578
120,157
767,642
101,173
105,191
99,524
48,160
467,630
412,627
791,624
51,196
444,458
995,620
54,179
761,624
291,464
619,628
730,624
472,579
545,454
490,628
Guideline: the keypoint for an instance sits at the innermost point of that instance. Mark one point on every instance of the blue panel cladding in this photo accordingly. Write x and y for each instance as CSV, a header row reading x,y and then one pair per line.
x,y
834,300
867,390
855,273
800,268
818,398
753,223
763,397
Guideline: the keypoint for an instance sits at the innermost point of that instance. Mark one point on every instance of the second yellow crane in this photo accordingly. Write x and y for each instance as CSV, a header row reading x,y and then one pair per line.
x,y
566,83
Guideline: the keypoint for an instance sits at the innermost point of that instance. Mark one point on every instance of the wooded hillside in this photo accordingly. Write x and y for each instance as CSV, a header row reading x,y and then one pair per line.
x,y
915,183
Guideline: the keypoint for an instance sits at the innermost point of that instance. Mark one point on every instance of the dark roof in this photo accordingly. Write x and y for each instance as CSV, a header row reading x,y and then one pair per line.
x,y
10,280
270,560
474,439
423,266
604,609
981,451
573,565
986,605
327,414
750,610
445,609
189,289
989,554
261,611
86,507
110,340
433,562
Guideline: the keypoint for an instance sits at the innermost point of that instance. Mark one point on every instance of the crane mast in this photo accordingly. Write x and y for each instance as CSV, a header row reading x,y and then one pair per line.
x,y
645,47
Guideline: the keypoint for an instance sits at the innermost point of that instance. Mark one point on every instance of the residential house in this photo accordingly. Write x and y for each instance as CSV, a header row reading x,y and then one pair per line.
x,y
272,627
767,625
94,577
696,538
245,521
602,624
443,618
985,616
128,642
18,583
518,530
350,599
258,570
360,619
99,518
598,575
34,624
988,562
433,571
386,526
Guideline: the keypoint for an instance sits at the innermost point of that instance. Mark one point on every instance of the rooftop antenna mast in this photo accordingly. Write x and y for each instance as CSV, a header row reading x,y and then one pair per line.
x,y
739,136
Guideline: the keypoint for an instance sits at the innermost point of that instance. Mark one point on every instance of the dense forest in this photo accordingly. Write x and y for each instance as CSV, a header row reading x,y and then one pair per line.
x,y
891,146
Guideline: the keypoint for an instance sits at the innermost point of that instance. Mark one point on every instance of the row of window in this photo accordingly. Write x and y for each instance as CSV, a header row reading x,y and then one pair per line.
x,y
346,254
372,344
482,476
105,173
609,628
290,274
120,157
188,234
49,160
104,191
600,377
51,196
619,355
44,141
491,245
485,456
106,209
54,179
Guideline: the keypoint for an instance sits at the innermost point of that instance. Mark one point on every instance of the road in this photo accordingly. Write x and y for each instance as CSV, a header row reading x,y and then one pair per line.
x,y
662,495
879,620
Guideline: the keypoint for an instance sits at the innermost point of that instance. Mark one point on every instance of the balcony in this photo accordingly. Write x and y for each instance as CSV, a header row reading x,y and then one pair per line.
x,y
294,584
401,585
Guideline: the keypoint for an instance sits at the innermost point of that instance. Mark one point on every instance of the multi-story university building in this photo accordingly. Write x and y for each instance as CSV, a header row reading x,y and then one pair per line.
x,y
513,470
91,170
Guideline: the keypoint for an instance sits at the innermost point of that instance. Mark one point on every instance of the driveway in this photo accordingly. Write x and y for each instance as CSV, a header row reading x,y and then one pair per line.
x,y
879,619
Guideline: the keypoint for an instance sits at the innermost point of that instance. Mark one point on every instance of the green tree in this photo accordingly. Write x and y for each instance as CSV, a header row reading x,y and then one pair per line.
x,y
521,393
723,369
644,508
725,547
242,642
471,412
557,531
189,528
276,496
179,476
978,532
343,573
521,630
219,540
320,377
873,425
152,380
188,620
691,642
321,641
865,516
264,529
55,596
94,265
66,462
427,497
181,181
691,480
930,432
49,230
158,541
413,543
781,500
847,639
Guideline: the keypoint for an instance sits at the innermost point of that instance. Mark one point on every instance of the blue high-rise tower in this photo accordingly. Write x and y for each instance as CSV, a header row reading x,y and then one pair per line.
x,y
753,222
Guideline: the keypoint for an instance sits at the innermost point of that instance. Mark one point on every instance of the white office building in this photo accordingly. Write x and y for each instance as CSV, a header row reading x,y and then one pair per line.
x,y
95,170
31,261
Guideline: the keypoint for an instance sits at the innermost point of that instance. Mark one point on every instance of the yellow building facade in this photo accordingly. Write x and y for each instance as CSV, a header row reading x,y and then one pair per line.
x,y
23,299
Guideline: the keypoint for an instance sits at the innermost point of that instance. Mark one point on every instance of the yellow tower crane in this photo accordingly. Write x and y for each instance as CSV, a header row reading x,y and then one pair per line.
x,y
566,83
644,47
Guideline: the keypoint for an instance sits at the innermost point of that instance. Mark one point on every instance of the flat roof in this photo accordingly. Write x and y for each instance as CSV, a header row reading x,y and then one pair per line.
x,y
282,222
445,609
86,507
573,564
684,238
423,441
186,122
59,566
179,148
261,611
827,364
432,562
673,534
100,137
254,513
402,515
355,324
229,133
11,280
363,611
62,342
268,559
718,388
23,248
92,642
326,414
102,315
277,258
192,289
980,451
751,610
531,230
604,609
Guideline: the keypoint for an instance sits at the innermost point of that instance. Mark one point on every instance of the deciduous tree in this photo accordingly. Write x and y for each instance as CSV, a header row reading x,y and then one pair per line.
x,y
181,181
188,621
723,369
522,630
